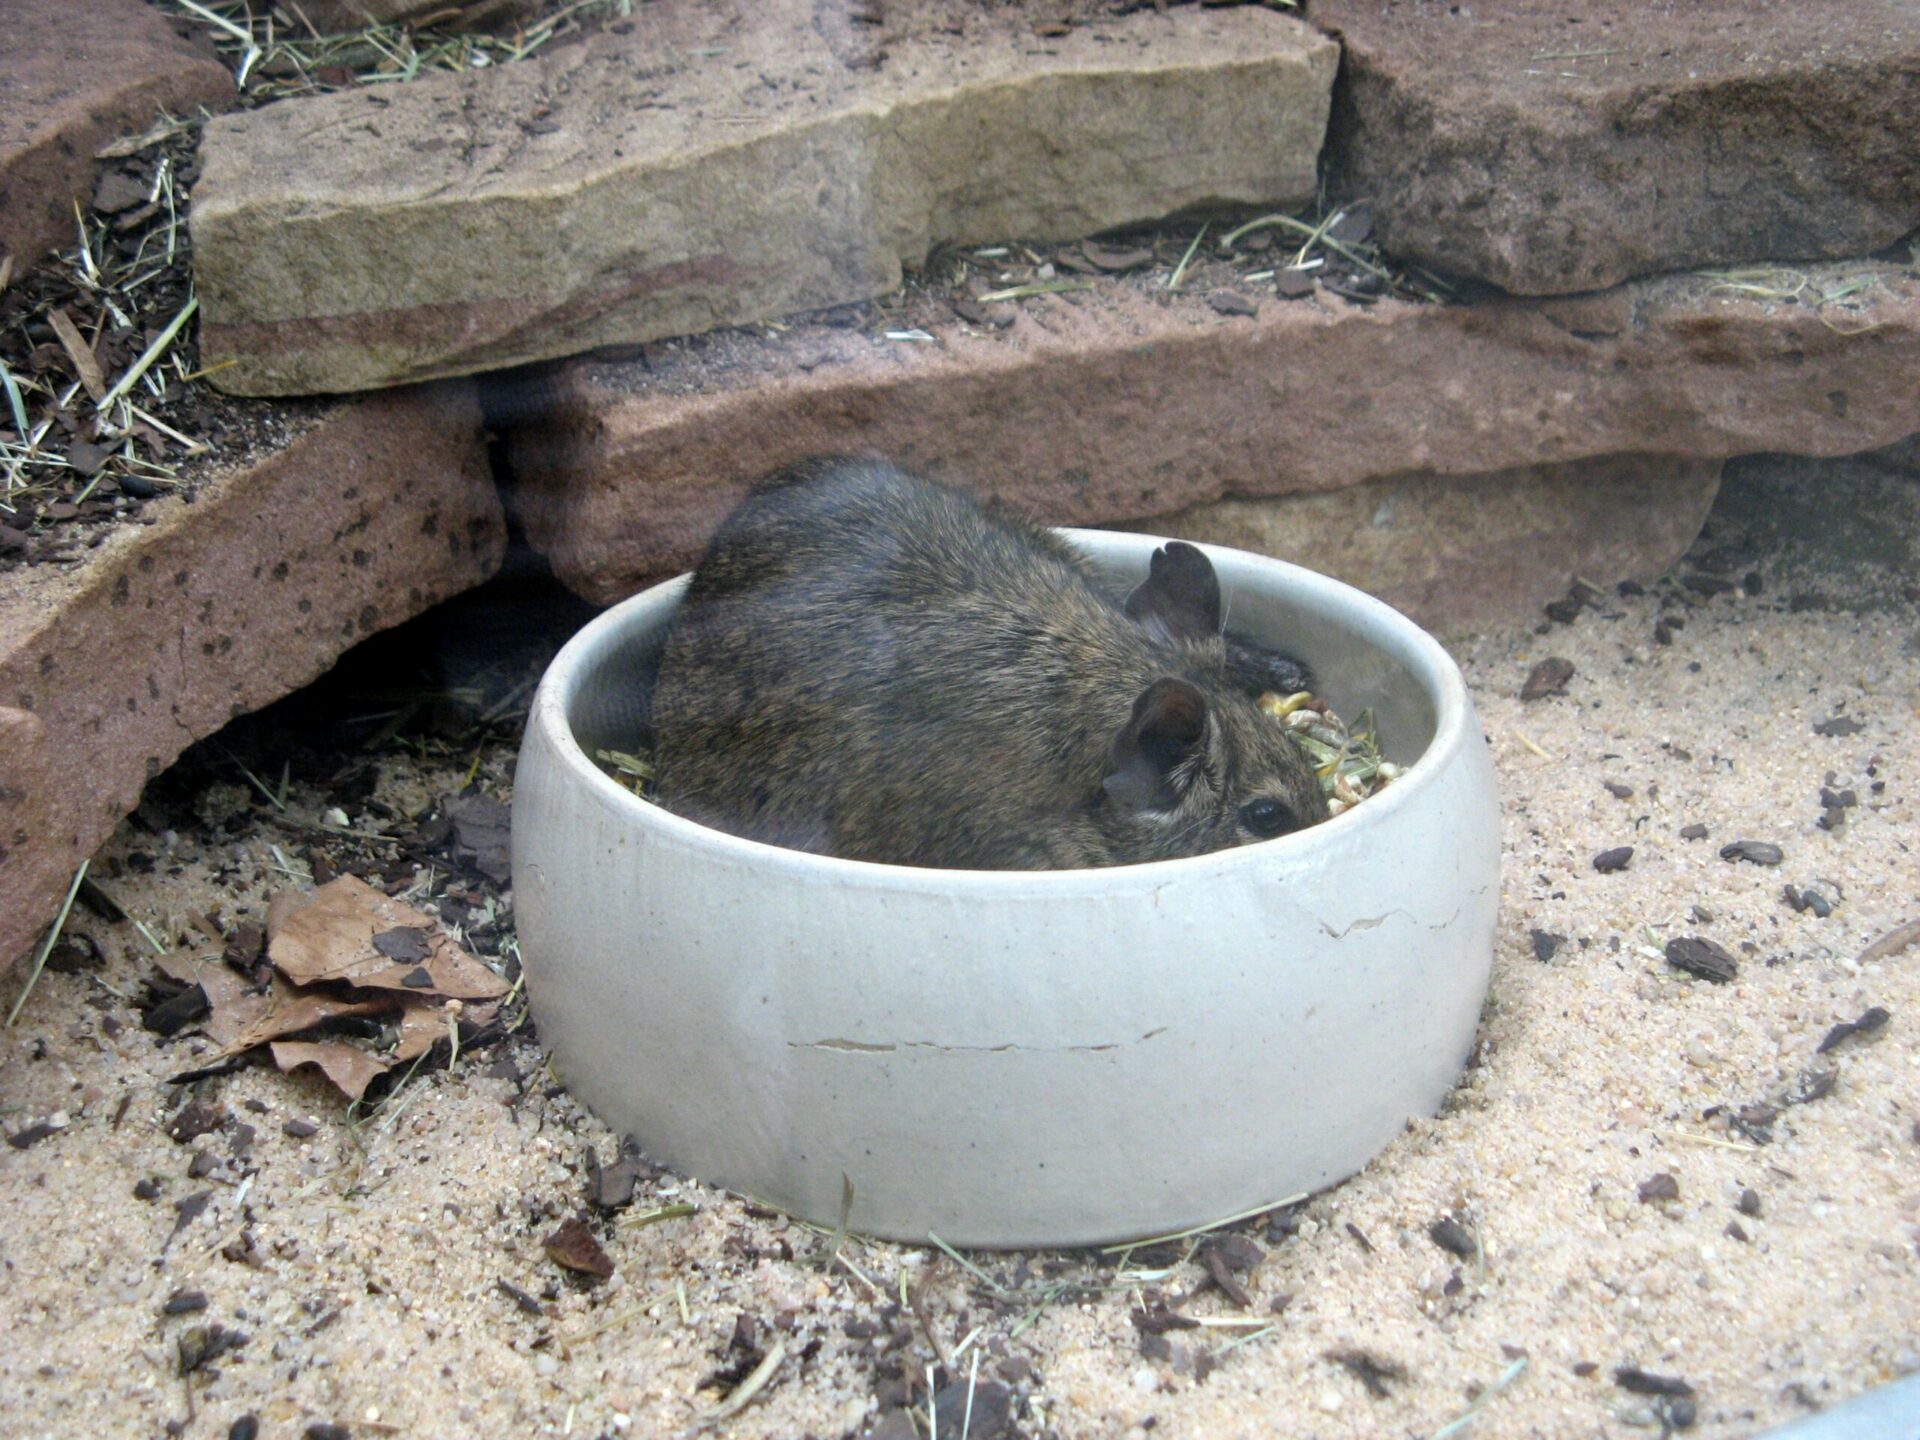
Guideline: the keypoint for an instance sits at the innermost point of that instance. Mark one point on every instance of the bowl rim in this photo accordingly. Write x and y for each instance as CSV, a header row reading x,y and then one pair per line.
x,y
1430,663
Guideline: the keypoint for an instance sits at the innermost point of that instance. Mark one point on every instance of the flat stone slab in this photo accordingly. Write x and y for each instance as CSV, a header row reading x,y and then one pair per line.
x,y
1461,553
74,78
378,509
1550,146
717,164
1120,402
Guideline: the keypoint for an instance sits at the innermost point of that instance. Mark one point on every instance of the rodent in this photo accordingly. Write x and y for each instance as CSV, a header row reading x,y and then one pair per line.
x,y
870,665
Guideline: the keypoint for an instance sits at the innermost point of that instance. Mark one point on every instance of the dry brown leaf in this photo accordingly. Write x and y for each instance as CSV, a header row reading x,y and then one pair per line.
x,y
347,1066
424,1025
332,938
243,1017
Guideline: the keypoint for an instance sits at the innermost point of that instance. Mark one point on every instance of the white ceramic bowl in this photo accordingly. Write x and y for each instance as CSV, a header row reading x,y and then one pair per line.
x,y
1017,1058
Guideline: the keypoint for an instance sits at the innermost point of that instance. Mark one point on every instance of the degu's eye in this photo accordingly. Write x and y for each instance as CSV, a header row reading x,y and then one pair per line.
x,y
1266,817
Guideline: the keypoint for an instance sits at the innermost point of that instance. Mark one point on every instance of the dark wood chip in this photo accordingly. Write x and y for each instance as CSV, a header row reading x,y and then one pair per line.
x,y
1369,1370
300,1129
184,1302
406,944
1293,284
1608,862
610,1187
1618,791
1838,725
1360,1236
147,1189
1700,956
199,1118
1231,302
984,1409
573,1247
1546,944
1693,832
1563,611
1749,1203
1016,1370
417,979
326,1430
1238,1253
1659,1187
203,1164
1221,1276
1811,1085
1736,1231
482,836
528,1305
247,1427
87,458
1584,1368
174,1014
1645,1382
1756,852
1156,1317
1353,225
1869,1021
31,1136
187,1210
1453,1237
201,1345
1548,677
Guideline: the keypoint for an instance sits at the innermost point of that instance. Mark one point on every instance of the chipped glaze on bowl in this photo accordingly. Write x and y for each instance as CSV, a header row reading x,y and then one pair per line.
x,y
1017,1058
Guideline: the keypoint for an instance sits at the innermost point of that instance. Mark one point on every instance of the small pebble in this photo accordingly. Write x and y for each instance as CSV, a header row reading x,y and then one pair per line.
x,y
1609,861
1757,852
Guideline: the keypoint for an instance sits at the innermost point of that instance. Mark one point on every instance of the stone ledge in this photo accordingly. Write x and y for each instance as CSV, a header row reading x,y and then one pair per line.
x,y
1119,402
716,164
1550,148
73,78
167,631
1460,553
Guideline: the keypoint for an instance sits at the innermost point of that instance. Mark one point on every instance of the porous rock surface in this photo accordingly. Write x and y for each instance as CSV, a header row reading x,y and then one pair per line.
x,y
74,78
330,16
1550,146
1121,402
107,672
705,165
1462,553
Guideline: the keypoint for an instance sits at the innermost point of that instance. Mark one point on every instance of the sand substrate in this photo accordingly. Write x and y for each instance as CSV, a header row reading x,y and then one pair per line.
x,y
363,1261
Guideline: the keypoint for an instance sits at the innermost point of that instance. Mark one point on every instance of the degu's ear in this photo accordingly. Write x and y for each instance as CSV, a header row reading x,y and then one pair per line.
x,y
1168,724
1180,591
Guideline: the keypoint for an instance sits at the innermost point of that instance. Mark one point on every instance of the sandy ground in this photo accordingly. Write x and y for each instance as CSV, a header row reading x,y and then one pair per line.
x,y
369,1252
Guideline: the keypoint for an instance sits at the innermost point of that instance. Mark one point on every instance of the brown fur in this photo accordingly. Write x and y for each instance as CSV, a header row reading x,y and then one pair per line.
x,y
868,665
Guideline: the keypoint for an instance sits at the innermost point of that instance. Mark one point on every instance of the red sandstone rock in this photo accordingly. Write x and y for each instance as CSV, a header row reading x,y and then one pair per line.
x,y
1122,402
1551,146
167,631
75,77
1463,552
716,163
338,15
